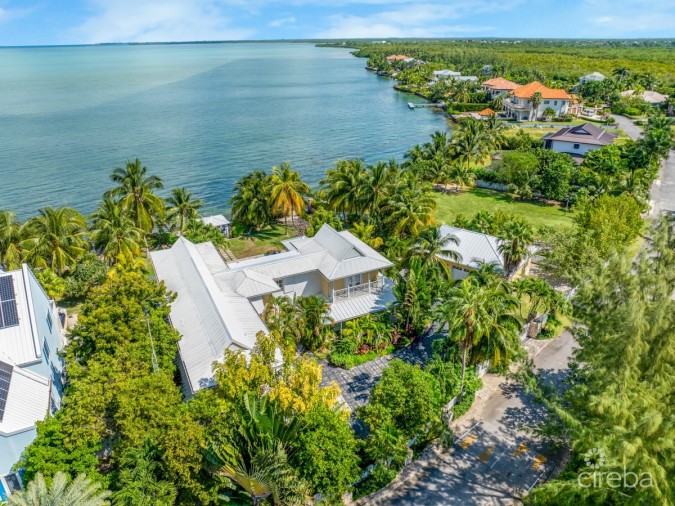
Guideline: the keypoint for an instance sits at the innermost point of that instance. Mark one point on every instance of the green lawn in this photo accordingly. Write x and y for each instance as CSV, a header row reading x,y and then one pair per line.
x,y
470,202
258,243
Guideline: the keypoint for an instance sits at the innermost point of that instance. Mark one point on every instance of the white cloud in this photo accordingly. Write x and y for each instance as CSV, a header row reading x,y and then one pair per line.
x,y
157,20
12,13
629,17
283,22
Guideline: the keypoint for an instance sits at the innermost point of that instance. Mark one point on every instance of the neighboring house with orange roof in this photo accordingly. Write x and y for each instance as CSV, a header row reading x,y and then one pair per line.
x,y
396,57
499,86
486,113
519,104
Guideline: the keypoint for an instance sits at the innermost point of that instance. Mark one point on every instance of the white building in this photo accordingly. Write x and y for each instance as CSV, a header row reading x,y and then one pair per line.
x,y
218,304
220,222
31,372
592,77
519,104
578,140
651,97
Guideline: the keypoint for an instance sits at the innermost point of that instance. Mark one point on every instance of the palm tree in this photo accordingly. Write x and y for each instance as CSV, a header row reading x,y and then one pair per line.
x,y
80,492
461,92
283,316
343,186
316,315
411,209
518,235
11,252
543,298
366,232
433,250
287,191
55,239
182,208
251,200
114,233
621,73
471,142
498,102
536,100
480,316
461,175
375,190
136,193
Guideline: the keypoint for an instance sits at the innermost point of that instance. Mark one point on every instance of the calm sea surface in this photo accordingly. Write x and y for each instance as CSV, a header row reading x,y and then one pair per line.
x,y
197,115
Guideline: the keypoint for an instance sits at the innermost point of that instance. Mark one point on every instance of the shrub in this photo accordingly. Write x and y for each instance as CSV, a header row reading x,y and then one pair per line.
x,y
54,285
454,107
89,272
378,478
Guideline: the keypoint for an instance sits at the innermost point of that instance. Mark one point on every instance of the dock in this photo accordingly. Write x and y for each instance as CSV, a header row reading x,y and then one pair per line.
x,y
416,106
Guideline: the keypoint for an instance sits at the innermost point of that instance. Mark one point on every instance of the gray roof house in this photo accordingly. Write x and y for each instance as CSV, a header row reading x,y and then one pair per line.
x,y
593,76
475,248
219,303
220,222
578,140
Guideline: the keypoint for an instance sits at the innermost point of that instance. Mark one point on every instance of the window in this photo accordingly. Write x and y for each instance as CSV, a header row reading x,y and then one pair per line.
x,y
45,350
555,102
280,282
576,146
49,321
354,280
546,102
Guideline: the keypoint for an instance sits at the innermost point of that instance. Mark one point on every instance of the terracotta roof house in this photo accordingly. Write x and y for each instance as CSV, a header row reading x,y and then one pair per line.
x,y
651,97
578,140
499,86
487,112
519,104
396,57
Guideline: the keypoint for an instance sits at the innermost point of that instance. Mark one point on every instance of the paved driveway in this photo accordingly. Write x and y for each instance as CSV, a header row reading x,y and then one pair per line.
x,y
494,461
663,189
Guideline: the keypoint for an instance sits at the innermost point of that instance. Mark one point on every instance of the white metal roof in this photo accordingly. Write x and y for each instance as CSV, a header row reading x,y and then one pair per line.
x,y
217,220
208,320
27,400
474,248
21,343
363,304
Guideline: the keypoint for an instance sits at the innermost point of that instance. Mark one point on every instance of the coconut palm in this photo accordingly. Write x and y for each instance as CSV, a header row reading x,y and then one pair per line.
x,y
434,250
439,146
410,209
80,492
135,191
378,180
182,207
316,315
518,235
55,239
366,232
283,316
542,298
471,142
535,100
287,191
461,175
11,251
251,200
343,186
498,102
115,234
461,92
480,316
621,73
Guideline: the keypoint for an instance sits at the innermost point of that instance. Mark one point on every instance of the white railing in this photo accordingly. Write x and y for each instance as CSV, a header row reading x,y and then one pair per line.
x,y
512,105
358,290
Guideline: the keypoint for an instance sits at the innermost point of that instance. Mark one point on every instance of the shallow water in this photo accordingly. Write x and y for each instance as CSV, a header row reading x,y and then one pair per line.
x,y
198,115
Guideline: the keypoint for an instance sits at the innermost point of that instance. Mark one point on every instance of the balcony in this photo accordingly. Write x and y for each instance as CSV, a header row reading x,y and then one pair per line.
x,y
509,104
359,290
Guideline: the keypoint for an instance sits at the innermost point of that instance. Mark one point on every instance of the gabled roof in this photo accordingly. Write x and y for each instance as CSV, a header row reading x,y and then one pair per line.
x,y
487,112
21,343
536,87
217,220
473,247
397,57
588,133
28,397
208,319
499,83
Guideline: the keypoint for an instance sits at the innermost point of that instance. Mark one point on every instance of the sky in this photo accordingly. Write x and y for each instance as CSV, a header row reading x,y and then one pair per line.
x,y
47,22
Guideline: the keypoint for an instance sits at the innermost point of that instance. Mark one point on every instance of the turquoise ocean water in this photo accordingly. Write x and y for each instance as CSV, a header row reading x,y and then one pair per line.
x,y
198,115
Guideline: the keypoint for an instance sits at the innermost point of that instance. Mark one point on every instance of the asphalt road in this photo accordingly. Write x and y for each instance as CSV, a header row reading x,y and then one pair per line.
x,y
495,461
663,190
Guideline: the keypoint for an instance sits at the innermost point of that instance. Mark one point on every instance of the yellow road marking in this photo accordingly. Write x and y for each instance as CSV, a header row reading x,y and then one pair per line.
x,y
486,454
468,441
521,448
538,461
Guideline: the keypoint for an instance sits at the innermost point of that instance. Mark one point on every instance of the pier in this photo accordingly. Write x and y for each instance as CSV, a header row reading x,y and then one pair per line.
x,y
416,106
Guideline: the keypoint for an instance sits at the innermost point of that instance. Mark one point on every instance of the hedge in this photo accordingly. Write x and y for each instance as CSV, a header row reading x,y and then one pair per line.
x,y
462,107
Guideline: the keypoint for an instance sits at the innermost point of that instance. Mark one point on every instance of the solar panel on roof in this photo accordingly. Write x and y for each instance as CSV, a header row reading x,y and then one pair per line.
x,y
9,315
5,379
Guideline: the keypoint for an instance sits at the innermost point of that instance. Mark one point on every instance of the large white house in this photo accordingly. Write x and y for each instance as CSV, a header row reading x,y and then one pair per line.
x,y
31,372
218,304
499,86
578,140
519,104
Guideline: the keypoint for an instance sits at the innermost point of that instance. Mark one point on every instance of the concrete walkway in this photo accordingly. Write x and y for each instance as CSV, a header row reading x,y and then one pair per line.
x,y
495,459
356,383
663,189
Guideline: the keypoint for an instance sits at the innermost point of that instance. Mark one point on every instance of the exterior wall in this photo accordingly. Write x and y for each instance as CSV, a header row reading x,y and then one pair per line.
x,y
568,147
305,284
12,447
522,271
51,339
560,107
